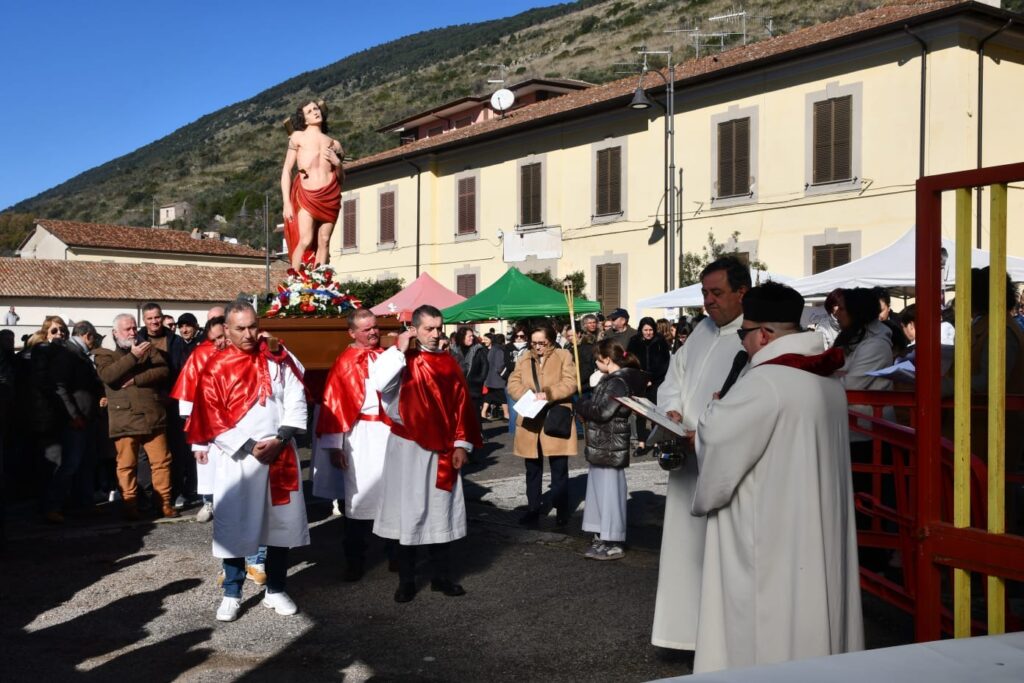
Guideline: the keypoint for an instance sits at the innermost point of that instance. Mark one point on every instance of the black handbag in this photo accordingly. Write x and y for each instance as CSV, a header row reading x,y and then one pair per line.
x,y
557,418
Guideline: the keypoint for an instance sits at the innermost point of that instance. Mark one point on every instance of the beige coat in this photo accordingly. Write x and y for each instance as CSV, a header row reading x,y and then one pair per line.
x,y
558,380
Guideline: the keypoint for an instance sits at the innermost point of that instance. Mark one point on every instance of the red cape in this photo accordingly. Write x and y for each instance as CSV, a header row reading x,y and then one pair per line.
x,y
436,410
323,204
234,381
185,388
345,391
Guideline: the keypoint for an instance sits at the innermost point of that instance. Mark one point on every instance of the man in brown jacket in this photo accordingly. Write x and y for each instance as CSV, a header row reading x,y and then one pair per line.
x,y
133,376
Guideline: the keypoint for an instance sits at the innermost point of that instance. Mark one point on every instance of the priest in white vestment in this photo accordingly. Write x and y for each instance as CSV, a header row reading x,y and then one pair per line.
x,y
434,426
249,405
780,578
351,439
698,370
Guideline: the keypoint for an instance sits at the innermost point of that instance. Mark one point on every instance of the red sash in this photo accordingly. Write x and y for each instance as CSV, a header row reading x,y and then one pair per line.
x,y
823,364
436,410
234,382
345,391
323,204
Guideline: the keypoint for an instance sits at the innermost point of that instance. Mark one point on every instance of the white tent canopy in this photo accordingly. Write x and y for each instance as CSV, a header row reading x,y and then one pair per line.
x,y
894,267
691,297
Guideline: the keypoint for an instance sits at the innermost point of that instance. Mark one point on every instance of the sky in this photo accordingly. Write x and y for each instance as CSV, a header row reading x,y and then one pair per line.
x,y
84,82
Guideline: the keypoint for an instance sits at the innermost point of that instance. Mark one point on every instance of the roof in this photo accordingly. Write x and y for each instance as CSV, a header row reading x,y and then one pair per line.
x,y
529,85
890,17
126,238
128,281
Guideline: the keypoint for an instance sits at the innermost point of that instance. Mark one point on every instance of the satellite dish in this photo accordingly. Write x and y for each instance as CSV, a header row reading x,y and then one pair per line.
x,y
502,99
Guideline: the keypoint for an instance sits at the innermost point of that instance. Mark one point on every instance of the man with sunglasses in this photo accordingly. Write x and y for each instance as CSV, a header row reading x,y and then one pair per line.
x,y
697,372
780,576
351,438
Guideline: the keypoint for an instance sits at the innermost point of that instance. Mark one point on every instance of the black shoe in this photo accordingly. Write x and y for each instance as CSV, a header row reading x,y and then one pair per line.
x,y
406,592
562,519
530,519
353,572
452,590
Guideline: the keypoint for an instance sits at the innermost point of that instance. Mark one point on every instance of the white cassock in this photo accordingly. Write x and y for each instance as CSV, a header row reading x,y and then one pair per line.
x,y
204,471
412,509
780,578
364,447
243,516
698,370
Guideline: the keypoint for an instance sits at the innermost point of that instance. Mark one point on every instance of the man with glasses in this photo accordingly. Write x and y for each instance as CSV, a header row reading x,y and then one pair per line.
x,y
780,578
351,438
698,370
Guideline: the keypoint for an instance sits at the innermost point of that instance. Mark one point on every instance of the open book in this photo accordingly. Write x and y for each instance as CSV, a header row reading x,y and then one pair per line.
x,y
644,407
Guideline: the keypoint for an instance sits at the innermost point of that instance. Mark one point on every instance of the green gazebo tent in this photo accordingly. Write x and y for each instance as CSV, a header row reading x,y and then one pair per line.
x,y
515,296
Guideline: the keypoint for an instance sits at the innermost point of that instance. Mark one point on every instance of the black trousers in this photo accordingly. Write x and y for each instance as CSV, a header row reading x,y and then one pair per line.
x,y
559,465
356,540
440,559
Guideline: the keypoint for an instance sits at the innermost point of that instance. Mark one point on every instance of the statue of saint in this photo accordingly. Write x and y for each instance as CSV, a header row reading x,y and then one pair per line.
x,y
312,198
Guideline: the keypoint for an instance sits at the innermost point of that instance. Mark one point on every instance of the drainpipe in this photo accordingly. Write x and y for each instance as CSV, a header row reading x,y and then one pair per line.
x,y
981,112
419,172
924,93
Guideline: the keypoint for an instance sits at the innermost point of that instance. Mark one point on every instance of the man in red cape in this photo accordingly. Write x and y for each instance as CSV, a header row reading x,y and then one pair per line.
x,y
352,434
249,404
434,426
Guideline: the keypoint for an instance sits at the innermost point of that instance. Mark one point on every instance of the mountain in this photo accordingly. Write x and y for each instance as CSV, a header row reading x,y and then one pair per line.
x,y
233,155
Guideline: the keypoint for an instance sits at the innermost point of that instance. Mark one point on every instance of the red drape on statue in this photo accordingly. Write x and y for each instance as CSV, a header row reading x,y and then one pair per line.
x,y
233,383
323,204
345,391
436,410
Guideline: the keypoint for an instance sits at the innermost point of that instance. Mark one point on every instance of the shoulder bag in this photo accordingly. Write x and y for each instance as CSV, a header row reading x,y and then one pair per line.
x,y
557,418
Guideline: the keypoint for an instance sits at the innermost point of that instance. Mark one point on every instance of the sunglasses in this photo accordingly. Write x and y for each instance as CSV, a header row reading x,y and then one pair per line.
x,y
742,333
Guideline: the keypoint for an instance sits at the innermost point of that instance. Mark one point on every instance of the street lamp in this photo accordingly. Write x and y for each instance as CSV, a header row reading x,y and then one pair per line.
x,y
642,101
244,215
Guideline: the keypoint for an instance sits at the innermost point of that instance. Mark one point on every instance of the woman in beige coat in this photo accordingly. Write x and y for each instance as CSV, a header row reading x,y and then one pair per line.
x,y
555,383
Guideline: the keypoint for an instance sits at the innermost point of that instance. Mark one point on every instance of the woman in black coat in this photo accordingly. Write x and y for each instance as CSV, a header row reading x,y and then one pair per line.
x,y
607,450
655,356
472,357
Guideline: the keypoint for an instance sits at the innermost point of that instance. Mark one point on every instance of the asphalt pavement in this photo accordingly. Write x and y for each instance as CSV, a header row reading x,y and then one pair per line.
x,y
101,599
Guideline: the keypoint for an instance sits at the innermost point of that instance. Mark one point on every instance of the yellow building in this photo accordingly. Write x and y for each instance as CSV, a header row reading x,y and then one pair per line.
x,y
807,145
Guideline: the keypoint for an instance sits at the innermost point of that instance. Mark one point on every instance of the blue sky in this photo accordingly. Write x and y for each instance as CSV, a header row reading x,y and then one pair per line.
x,y
85,81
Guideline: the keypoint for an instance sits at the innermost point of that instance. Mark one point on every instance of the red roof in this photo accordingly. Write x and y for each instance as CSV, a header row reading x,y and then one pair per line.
x,y
889,17
126,238
129,281
422,290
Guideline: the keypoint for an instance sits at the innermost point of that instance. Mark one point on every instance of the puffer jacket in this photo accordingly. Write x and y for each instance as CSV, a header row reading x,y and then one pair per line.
x,y
607,420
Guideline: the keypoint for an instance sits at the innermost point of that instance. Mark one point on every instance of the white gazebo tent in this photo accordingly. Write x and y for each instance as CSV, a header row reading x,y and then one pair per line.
x,y
894,269
690,296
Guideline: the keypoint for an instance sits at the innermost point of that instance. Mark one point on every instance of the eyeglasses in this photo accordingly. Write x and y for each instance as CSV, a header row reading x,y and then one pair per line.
x,y
520,336
742,333
539,343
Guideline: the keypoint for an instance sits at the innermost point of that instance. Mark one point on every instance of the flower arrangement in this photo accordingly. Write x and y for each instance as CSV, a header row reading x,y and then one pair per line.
x,y
312,290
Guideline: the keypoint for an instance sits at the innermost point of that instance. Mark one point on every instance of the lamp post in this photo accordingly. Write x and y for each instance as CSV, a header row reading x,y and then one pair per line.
x,y
642,101
244,215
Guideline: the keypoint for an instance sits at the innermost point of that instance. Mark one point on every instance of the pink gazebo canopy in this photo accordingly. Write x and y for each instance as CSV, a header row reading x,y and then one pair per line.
x,y
423,290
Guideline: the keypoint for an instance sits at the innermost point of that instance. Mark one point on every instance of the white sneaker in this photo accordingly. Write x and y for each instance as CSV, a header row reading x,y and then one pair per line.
x,y
280,603
205,513
228,610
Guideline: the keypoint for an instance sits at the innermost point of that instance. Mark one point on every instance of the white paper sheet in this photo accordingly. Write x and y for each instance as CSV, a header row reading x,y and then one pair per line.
x,y
529,405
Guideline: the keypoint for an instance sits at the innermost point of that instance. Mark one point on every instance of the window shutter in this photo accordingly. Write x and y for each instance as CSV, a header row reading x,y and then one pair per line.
x,y
726,172
529,193
833,140
465,285
741,156
609,181
829,256
608,286
467,206
387,217
348,225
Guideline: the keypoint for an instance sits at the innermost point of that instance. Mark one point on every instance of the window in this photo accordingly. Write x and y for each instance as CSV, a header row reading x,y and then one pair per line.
x,y
833,140
609,286
530,194
435,131
387,217
609,181
466,206
734,158
743,257
465,285
463,122
348,224
829,256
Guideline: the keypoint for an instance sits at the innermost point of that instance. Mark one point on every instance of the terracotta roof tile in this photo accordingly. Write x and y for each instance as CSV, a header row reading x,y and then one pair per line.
x,y
103,236
129,281
817,36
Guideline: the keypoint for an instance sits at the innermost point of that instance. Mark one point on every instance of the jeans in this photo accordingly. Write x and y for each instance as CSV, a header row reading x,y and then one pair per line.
x,y
261,554
67,457
276,566
512,417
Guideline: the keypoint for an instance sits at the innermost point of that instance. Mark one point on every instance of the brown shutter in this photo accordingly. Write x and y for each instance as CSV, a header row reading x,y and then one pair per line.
x,y
530,194
725,159
467,206
609,181
387,217
608,286
465,285
842,138
741,156
348,225
829,256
